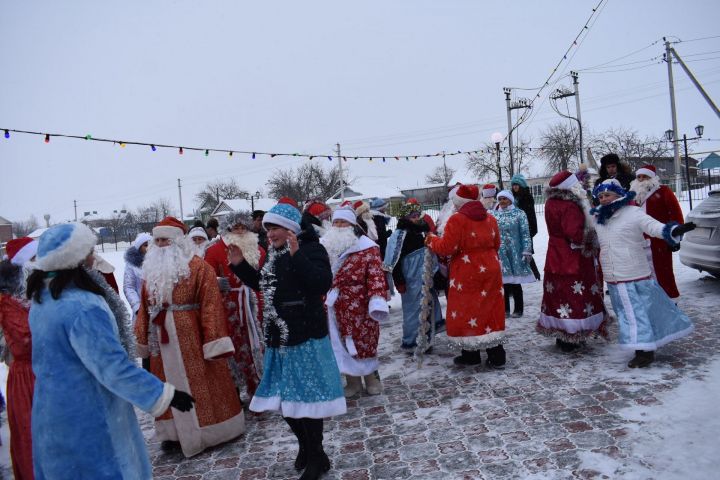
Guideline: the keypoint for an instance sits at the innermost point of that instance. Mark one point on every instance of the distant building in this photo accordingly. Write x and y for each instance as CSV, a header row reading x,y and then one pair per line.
x,y
6,233
227,206
369,187
665,166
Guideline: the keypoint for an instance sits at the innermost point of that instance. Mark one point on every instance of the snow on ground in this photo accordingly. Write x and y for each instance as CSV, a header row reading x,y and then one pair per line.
x,y
547,415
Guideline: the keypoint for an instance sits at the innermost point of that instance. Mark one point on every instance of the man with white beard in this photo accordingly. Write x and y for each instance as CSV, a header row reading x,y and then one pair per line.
x,y
181,327
198,241
659,202
240,302
356,303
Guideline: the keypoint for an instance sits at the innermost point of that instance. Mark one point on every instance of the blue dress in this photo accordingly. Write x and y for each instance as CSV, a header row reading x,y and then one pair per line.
x,y
83,422
514,240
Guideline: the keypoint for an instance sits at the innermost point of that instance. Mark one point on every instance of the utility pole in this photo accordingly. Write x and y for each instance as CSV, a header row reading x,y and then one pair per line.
x,y
445,175
576,88
180,197
340,172
510,129
563,92
696,82
75,205
673,112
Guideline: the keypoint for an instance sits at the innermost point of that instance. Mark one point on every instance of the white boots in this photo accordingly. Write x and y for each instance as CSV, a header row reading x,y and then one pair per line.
x,y
353,385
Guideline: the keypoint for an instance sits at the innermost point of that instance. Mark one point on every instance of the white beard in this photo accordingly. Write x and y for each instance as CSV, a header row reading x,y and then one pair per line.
x,y
199,250
446,212
644,189
326,224
488,203
580,192
165,267
247,243
371,228
336,241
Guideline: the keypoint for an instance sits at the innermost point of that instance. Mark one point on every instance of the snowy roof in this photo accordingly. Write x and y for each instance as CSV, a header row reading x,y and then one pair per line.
x,y
364,188
227,206
5,221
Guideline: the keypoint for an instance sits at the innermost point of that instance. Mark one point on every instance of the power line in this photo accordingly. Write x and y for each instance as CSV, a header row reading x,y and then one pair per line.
x,y
696,39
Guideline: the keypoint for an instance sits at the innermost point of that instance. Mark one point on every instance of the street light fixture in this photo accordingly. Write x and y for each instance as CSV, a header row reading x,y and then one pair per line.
x,y
670,137
496,138
252,200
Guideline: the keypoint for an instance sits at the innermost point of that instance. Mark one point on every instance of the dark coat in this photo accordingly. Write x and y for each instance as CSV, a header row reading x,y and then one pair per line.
x,y
414,240
303,280
381,222
524,201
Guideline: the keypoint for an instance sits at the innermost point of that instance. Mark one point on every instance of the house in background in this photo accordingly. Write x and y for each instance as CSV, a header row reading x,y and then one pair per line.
x,y
665,166
369,187
6,233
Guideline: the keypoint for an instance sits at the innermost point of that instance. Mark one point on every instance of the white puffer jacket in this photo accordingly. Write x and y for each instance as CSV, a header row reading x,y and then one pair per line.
x,y
621,244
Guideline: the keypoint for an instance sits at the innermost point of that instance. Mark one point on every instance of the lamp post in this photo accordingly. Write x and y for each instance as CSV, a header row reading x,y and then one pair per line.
x,y
670,137
496,138
252,200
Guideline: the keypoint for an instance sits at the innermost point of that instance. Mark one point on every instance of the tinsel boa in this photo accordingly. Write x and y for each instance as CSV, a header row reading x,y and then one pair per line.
x,y
117,307
427,323
268,285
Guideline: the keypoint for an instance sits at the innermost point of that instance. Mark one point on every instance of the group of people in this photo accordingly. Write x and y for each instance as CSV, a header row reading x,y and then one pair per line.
x,y
276,307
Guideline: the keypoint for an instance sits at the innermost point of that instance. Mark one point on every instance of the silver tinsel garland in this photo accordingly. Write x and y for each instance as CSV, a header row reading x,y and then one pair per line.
x,y
427,321
268,285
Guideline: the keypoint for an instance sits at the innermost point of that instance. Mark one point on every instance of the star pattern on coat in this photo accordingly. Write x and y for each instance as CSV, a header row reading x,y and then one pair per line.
x,y
483,293
564,311
453,314
595,289
459,287
578,287
473,322
472,234
466,258
452,283
502,291
488,329
588,309
483,268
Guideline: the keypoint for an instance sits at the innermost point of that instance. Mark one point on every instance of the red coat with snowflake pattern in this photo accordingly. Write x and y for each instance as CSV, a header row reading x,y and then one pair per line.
x,y
358,280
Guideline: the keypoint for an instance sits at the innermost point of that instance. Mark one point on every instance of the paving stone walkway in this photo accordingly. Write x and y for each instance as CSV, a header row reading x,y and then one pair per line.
x,y
534,419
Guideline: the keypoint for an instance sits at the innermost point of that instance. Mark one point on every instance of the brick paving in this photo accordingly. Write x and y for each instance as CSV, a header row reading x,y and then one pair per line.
x,y
534,419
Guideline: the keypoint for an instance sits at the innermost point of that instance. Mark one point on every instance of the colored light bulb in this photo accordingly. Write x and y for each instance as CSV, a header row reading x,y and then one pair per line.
x,y
47,138
122,145
253,156
7,134
152,147
180,151
207,152
88,137
230,153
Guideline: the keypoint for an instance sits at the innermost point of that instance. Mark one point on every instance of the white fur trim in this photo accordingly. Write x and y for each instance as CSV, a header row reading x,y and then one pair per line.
x,y
327,409
163,403
568,182
378,309
165,231
218,347
507,194
458,201
25,254
476,342
284,222
488,192
572,325
350,345
71,253
345,214
645,171
143,351
518,279
197,232
102,265
142,238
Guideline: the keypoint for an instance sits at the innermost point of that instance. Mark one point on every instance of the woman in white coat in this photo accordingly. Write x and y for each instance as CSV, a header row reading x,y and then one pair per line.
x,y
133,278
648,318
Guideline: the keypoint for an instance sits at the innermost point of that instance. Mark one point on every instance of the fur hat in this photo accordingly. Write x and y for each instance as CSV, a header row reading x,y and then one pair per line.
x,y
238,217
21,250
345,213
197,232
609,159
518,179
64,246
257,214
378,203
507,194
361,207
648,170
284,215
169,227
464,194
564,180
142,237
488,190
610,185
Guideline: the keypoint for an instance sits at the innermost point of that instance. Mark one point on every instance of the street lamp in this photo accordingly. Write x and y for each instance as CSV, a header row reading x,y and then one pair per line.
x,y
252,200
670,137
496,138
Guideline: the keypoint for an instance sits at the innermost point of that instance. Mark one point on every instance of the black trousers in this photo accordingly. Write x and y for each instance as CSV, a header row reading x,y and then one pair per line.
x,y
513,290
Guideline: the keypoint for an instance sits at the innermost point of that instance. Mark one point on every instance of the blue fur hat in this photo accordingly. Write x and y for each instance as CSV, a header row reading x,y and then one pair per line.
x,y
284,215
377,203
518,179
610,185
64,246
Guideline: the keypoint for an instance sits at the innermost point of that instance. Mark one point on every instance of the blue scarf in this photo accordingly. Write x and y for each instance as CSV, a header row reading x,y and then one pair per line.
x,y
604,212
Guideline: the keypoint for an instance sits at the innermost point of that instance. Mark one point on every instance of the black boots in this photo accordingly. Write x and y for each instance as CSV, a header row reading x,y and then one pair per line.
x,y
566,347
496,357
468,357
296,425
513,290
317,460
642,359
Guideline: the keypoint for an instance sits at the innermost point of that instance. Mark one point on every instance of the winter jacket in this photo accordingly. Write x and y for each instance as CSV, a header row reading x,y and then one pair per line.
x,y
381,220
414,240
133,278
621,243
302,281
525,202
514,242
569,231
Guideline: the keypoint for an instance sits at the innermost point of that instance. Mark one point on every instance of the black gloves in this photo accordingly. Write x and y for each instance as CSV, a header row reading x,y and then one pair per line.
x,y
682,229
182,401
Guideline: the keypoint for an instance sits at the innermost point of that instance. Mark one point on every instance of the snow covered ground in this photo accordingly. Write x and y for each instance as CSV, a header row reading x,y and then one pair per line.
x,y
547,415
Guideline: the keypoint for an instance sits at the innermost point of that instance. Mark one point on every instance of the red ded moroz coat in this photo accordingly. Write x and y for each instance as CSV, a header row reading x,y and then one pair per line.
x,y
476,307
663,207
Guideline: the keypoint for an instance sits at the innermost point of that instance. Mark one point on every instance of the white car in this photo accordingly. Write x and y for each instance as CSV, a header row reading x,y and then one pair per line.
x,y
700,248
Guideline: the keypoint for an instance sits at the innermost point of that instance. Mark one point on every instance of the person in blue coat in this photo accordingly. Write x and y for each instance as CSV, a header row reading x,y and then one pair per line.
x,y
84,425
515,250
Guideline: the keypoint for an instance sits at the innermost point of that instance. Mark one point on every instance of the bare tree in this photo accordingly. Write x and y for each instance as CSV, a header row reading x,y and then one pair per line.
x,y
23,228
211,194
629,146
309,180
484,165
440,174
559,148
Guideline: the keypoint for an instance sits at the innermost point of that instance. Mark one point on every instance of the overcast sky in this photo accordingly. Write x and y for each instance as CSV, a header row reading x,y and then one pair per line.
x,y
391,77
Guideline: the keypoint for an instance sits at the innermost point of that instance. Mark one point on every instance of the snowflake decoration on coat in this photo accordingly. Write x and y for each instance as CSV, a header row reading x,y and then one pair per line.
x,y
578,287
595,289
549,287
564,311
589,309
